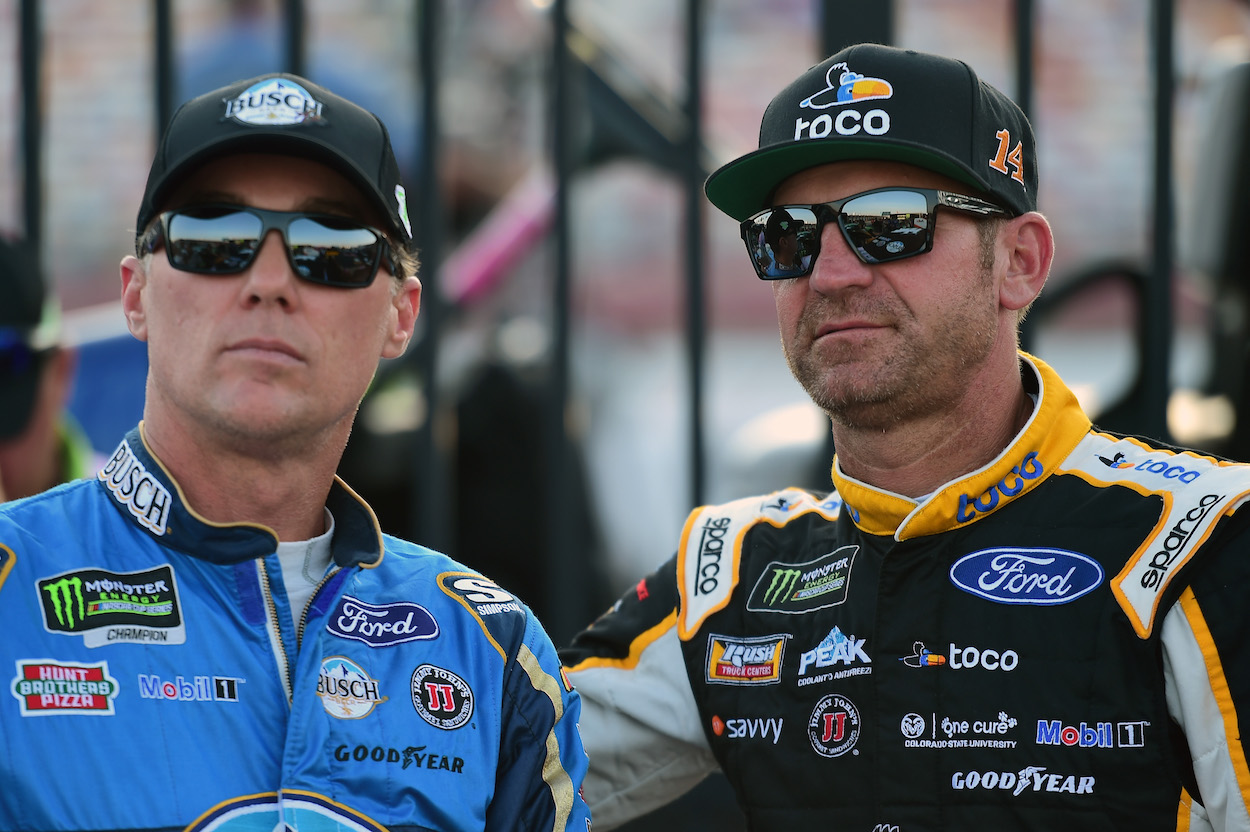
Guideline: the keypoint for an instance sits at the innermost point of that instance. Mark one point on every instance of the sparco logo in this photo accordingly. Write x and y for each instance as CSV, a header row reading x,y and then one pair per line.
x,y
136,489
1177,540
1030,778
109,607
1027,576
413,755
381,625
711,550
795,588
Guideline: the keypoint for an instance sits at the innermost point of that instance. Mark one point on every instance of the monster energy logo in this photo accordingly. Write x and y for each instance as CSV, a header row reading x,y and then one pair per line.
x,y
93,599
783,582
67,602
804,587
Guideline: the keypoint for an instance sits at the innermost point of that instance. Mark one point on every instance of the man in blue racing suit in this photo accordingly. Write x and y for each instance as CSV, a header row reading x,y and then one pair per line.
x,y
214,633
1002,618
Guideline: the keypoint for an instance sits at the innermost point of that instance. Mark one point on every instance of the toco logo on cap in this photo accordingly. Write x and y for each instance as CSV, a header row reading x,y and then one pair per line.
x,y
879,102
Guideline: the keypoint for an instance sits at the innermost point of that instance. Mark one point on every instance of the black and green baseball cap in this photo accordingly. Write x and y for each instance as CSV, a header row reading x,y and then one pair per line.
x,y
870,101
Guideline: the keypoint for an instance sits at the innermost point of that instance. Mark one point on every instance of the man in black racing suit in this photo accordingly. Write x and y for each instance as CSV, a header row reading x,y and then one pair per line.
x,y
1002,617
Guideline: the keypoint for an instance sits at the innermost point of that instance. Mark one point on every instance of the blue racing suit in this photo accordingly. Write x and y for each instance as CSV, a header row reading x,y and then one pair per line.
x,y
159,681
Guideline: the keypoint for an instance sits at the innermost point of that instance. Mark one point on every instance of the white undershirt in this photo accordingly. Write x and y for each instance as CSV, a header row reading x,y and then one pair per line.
x,y
304,564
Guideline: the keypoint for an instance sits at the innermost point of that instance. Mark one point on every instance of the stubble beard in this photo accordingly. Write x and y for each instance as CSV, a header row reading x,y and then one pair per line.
x,y
862,389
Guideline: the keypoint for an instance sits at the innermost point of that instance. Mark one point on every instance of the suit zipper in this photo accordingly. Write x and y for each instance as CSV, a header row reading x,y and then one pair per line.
x,y
275,630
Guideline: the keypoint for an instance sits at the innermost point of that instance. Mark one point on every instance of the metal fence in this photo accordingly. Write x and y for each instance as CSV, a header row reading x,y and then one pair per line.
x,y
672,138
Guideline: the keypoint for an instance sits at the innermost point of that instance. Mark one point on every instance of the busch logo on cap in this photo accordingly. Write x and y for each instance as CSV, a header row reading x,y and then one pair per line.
x,y
274,101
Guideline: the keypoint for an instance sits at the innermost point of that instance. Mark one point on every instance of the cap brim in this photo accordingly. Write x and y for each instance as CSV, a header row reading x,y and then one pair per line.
x,y
745,185
275,141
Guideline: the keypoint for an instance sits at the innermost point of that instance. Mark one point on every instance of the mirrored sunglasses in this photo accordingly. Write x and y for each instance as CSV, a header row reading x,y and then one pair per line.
x,y
880,226
219,239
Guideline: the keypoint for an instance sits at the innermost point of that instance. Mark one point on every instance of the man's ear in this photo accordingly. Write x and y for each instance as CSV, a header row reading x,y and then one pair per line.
x,y
1029,246
134,283
406,303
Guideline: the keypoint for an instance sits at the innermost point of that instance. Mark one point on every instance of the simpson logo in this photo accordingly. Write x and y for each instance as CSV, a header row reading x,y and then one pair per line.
x,y
1027,576
797,588
745,661
47,686
274,101
114,607
483,596
136,489
346,691
381,625
441,698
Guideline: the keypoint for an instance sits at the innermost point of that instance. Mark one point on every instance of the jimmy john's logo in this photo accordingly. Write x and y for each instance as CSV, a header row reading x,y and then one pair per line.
x,y
113,607
745,661
274,101
47,686
141,493
440,697
804,587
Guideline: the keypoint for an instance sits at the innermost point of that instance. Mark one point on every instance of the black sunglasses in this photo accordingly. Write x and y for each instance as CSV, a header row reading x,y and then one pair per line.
x,y
220,239
880,226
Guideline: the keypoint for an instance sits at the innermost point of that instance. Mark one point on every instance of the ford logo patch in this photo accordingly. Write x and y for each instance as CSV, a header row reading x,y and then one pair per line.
x,y
381,625
1027,576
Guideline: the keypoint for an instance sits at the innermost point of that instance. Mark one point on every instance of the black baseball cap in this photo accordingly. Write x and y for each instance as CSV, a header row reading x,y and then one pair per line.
x,y
880,102
29,324
287,114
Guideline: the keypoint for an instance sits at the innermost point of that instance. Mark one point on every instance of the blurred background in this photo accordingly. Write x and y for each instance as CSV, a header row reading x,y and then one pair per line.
x,y
595,355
